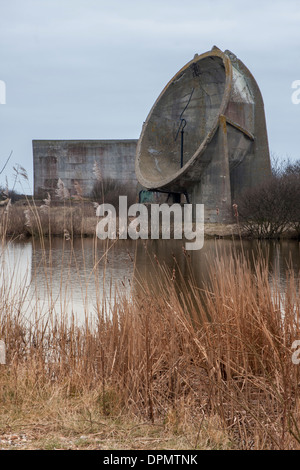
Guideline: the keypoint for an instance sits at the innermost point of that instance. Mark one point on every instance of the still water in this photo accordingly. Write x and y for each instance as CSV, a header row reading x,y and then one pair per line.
x,y
61,276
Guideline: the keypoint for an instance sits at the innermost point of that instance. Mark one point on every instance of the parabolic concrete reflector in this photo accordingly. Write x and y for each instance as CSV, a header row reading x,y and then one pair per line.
x,y
206,135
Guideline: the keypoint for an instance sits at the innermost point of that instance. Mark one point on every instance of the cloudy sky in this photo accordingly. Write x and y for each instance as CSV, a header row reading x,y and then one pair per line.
x,y
91,69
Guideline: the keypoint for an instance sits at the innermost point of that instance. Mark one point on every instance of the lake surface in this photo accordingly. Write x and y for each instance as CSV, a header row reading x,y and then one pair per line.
x,y
74,278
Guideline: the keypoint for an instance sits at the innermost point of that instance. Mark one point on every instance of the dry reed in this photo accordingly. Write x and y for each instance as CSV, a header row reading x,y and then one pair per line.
x,y
171,353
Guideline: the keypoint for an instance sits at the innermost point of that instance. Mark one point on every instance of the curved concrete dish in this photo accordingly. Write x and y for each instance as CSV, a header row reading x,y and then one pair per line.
x,y
216,104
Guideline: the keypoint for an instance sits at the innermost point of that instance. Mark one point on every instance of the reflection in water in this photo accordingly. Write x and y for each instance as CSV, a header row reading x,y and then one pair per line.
x,y
75,278
16,264
280,256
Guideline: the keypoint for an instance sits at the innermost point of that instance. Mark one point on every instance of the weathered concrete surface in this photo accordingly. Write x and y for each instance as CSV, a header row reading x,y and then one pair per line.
x,y
73,160
216,101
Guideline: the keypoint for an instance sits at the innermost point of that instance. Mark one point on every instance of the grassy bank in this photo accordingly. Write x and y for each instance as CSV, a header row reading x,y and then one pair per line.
x,y
170,367
29,218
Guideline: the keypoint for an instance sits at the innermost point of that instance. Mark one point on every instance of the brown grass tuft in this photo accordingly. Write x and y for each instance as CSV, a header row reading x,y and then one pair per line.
x,y
209,367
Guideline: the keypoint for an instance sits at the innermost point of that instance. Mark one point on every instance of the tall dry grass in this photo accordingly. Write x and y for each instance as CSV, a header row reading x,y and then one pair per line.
x,y
170,353
30,220
63,212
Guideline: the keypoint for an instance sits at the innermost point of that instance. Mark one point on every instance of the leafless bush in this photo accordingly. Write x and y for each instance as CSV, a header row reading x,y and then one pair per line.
x,y
109,190
273,207
292,174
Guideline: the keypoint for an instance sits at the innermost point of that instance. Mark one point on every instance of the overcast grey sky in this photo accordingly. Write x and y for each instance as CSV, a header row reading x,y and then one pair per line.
x,y
91,69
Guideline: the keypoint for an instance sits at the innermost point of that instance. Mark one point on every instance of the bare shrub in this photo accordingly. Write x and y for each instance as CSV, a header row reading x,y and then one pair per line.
x,y
292,174
273,207
109,190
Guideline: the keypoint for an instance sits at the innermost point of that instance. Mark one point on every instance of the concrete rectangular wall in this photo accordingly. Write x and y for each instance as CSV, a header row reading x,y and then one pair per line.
x,y
73,160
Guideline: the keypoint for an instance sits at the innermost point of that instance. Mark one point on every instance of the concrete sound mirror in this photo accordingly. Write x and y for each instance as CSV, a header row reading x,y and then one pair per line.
x,y
205,135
